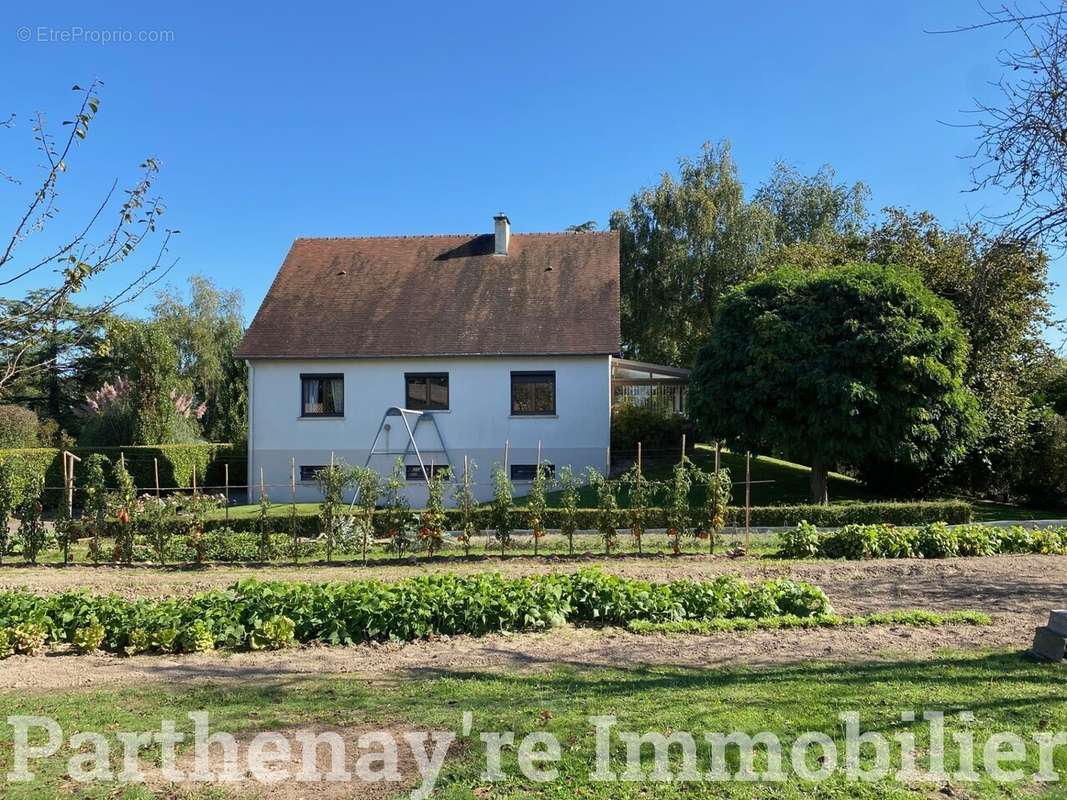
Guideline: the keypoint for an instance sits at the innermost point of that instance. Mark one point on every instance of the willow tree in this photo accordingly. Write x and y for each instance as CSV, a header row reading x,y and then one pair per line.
x,y
835,367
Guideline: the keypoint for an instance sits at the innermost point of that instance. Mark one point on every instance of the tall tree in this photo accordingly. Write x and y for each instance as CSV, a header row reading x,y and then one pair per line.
x,y
206,329
999,286
833,366
91,247
683,244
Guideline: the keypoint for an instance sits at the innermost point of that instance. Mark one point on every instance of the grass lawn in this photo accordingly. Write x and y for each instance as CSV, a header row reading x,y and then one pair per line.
x,y
1004,691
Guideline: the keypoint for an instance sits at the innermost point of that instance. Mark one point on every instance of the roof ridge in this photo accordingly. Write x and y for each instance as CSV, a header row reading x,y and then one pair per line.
x,y
442,235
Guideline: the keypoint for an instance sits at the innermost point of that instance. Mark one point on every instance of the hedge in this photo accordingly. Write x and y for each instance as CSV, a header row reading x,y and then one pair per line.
x,y
177,463
954,512
935,540
262,615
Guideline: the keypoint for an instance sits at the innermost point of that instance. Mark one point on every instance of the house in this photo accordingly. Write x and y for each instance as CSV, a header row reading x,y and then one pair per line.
x,y
491,349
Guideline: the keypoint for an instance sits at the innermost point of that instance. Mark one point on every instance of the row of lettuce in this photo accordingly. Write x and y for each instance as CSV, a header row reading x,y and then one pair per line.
x,y
272,615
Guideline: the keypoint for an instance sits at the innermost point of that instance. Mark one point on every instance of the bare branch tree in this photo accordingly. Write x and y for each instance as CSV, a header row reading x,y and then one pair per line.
x,y
1022,139
91,249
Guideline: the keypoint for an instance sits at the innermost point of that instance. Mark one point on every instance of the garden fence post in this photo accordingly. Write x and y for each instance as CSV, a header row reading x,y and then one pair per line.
x,y
226,478
683,446
155,468
748,498
638,456
292,521
507,453
194,480
718,453
262,484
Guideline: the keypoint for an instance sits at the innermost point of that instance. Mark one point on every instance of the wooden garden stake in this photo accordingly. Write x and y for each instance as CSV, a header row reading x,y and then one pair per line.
x,y
748,499
718,454
683,446
638,456
155,468
262,484
194,481
507,453
538,454
292,515
226,477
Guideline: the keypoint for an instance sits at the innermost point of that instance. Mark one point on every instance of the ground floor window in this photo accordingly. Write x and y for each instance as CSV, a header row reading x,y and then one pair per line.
x,y
533,393
322,395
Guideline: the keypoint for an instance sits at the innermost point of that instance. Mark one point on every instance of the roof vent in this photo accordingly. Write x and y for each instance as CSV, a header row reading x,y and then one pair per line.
x,y
503,234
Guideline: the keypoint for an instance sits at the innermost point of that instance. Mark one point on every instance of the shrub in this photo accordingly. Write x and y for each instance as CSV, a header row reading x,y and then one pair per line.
x,y
18,427
567,484
804,541
853,542
503,518
936,540
32,535
89,638
654,429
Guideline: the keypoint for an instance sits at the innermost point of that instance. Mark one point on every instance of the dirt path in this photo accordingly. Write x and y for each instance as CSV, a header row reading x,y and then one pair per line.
x,y
1017,590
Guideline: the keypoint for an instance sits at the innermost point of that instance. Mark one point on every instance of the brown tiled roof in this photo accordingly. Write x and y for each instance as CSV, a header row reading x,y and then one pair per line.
x,y
554,293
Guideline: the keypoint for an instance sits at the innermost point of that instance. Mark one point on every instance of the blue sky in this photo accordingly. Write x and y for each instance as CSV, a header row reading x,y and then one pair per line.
x,y
274,121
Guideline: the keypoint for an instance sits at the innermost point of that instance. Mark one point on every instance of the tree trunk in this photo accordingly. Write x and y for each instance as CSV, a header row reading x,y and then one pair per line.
x,y
819,490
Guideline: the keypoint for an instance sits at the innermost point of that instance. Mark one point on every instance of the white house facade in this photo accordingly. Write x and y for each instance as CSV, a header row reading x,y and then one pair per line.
x,y
443,351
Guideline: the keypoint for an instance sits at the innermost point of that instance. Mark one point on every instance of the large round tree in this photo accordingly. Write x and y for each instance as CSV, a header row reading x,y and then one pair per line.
x,y
837,367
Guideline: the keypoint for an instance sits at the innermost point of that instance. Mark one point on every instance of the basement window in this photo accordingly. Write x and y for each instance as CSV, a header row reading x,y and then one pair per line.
x,y
310,473
322,395
526,472
413,472
533,393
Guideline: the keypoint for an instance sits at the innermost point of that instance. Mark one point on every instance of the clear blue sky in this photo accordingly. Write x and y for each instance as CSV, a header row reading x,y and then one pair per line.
x,y
280,120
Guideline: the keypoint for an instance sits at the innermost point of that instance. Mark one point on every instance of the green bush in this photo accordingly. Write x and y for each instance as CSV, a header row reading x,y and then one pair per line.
x,y
271,615
655,430
177,462
936,540
18,427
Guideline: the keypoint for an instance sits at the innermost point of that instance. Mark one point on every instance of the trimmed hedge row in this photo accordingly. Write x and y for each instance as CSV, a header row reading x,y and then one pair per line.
x,y
954,512
177,463
270,615
936,540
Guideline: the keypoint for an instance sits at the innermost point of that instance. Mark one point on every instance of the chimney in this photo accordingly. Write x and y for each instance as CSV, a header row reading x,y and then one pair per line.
x,y
503,234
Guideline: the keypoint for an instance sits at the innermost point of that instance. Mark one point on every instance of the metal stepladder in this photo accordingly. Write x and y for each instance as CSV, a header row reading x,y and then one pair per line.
x,y
411,446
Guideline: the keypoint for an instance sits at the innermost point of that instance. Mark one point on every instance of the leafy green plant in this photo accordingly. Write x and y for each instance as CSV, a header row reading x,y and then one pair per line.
x,y
263,521
936,540
155,518
88,639
96,501
29,638
400,526
678,504
568,485
467,504
803,541
638,487
333,480
368,485
432,523
607,517
31,531
10,493
276,633
537,504
501,514
124,502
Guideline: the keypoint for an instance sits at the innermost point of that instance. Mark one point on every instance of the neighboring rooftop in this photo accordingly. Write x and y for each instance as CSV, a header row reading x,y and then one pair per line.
x,y
552,293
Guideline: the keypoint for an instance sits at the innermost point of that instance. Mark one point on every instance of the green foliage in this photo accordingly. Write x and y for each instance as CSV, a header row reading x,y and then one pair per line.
x,y
333,480
917,618
89,638
466,506
368,486
124,502
150,361
837,366
155,523
18,427
607,511
263,522
10,497
537,505
276,633
654,429
32,536
501,514
933,540
638,488
432,523
272,615
95,506
400,523
678,516
568,485
711,516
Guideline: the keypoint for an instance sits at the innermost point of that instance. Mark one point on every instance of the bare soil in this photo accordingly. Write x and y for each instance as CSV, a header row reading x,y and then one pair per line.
x,y
1018,591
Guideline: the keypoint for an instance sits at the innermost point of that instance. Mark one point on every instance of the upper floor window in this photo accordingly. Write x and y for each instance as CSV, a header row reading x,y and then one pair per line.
x,y
426,391
533,393
322,395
